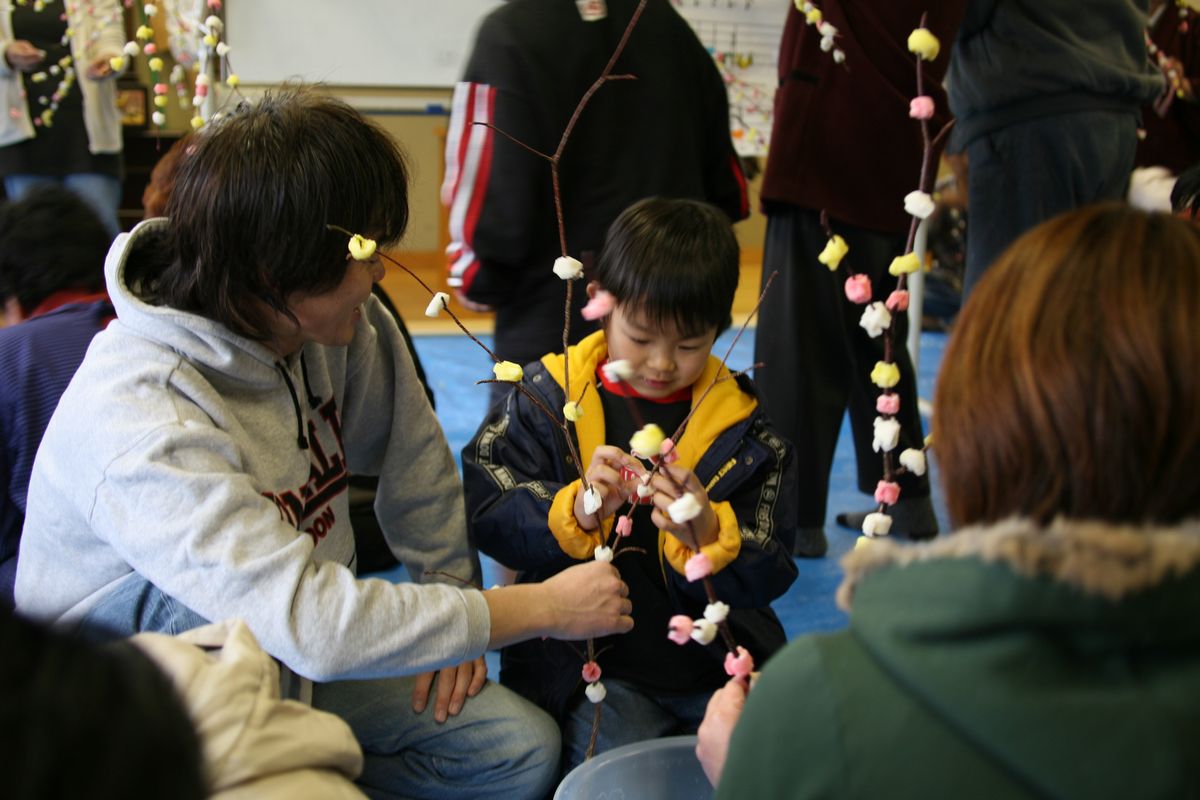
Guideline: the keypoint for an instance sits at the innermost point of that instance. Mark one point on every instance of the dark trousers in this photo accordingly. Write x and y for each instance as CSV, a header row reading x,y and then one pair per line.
x,y
816,359
1024,174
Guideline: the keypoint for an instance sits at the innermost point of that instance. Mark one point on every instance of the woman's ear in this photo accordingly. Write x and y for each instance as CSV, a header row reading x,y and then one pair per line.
x,y
592,288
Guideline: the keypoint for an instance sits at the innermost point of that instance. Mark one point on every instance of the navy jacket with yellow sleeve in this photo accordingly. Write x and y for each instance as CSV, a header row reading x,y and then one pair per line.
x,y
521,485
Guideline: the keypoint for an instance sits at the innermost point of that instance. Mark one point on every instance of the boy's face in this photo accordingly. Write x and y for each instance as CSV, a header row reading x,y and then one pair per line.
x,y
663,360
329,318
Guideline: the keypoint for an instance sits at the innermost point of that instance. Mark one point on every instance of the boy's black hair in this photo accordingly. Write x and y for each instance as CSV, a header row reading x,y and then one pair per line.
x,y
251,202
673,260
1185,196
50,240
81,720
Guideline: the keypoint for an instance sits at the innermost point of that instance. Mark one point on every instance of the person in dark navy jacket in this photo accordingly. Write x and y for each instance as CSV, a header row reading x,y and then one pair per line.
x,y
666,275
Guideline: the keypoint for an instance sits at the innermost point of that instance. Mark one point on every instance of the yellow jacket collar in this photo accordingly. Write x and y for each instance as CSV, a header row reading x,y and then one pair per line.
x,y
725,406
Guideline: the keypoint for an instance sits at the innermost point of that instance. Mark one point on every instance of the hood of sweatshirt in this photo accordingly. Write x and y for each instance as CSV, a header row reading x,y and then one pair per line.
x,y
255,743
1087,628
204,342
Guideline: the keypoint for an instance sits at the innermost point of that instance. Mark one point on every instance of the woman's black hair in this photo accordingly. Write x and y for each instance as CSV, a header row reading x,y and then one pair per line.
x,y
674,261
50,240
251,205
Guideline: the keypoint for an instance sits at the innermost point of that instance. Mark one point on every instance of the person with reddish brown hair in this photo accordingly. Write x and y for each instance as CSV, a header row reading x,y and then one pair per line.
x,y
1088,411
162,178
1048,648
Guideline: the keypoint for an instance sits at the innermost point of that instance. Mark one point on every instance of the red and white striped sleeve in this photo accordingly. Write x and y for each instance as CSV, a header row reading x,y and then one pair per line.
x,y
468,169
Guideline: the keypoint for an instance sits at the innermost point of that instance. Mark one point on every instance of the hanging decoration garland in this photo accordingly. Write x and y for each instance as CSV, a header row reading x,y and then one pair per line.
x,y
63,69
198,40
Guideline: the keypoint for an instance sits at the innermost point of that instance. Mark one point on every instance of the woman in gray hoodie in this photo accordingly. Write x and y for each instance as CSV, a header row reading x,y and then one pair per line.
x,y
196,467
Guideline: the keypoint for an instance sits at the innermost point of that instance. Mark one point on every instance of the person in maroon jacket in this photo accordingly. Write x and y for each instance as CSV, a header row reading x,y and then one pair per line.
x,y
842,143
665,133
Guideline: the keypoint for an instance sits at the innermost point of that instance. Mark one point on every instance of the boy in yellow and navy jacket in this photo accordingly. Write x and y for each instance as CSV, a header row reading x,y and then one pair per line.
x,y
669,269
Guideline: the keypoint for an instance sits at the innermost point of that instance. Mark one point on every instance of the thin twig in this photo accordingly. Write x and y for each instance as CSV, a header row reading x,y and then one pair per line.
x,y
930,145
561,425
424,285
566,335
514,140
591,748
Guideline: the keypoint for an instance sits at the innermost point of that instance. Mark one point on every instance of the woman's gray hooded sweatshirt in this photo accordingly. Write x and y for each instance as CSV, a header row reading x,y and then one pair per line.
x,y
203,462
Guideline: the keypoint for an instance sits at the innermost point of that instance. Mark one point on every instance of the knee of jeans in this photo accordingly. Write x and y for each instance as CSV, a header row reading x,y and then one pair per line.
x,y
161,612
541,742
524,751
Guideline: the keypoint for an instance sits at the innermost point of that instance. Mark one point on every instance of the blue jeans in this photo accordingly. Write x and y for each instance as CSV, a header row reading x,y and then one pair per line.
x,y
500,745
629,714
101,192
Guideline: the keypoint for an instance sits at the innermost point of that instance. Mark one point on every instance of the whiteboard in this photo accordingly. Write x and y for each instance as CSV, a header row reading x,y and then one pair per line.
x,y
408,43
743,37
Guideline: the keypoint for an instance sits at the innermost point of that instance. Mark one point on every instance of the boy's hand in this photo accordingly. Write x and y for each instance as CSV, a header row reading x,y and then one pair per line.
x,y
604,475
668,489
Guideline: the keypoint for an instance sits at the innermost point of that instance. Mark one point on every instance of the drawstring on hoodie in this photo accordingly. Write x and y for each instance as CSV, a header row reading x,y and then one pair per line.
x,y
313,400
301,439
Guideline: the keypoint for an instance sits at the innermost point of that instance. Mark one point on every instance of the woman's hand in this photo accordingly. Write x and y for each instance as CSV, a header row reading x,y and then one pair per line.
x,y
22,55
99,69
588,600
580,602
721,717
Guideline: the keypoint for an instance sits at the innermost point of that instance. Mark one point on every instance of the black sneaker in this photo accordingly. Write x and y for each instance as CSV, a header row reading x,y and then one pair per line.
x,y
913,519
810,543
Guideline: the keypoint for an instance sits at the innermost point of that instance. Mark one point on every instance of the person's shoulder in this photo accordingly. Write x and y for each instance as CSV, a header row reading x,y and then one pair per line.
x,y
62,333
530,19
540,379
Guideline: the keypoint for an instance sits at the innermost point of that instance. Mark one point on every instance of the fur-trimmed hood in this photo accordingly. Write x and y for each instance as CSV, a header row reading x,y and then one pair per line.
x,y
1067,655
1095,557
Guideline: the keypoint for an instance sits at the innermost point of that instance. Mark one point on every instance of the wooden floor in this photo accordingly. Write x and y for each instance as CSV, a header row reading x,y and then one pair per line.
x,y
411,298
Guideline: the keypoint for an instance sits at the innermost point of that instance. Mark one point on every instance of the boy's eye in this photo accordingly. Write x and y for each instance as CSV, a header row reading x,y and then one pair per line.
x,y
636,340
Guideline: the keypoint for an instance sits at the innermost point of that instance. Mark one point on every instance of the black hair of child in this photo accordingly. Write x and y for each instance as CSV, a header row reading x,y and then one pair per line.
x,y
50,240
674,261
1185,196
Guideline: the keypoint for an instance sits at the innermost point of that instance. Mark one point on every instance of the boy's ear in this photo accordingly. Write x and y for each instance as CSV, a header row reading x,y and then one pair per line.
x,y
592,288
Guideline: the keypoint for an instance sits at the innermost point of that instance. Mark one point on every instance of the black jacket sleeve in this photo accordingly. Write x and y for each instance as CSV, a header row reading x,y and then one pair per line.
x,y
512,468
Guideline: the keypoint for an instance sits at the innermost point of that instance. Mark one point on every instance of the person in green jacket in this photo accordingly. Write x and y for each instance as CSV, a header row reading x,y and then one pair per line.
x,y
1049,648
